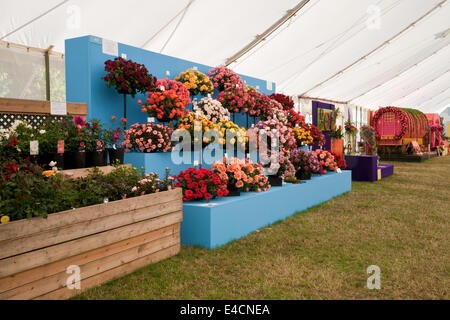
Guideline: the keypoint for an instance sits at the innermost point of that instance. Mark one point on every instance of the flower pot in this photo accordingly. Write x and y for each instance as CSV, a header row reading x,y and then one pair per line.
x,y
337,146
233,191
97,158
275,181
303,175
46,158
79,159
116,154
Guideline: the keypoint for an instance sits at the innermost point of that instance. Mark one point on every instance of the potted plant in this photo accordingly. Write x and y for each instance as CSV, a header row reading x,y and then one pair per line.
x,y
198,184
305,163
128,77
167,102
196,82
51,140
75,155
113,136
147,137
96,144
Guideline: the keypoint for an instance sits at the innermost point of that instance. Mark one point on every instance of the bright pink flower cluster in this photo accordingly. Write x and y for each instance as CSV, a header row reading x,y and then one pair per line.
x,y
237,100
147,137
305,161
242,174
200,184
177,86
224,78
275,128
326,160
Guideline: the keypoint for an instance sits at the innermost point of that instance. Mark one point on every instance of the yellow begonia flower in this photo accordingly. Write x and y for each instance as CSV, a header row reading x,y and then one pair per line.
x,y
5,219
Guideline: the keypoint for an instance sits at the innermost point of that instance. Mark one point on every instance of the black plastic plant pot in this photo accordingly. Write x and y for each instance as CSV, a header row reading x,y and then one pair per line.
x,y
116,155
275,181
233,191
79,160
303,175
97,158
45,159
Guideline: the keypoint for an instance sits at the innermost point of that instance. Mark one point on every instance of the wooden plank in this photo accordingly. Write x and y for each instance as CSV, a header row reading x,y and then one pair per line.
x,y
75,231
86,228
58,281
26,227
10,105
84,172
65,293
57,252
45,271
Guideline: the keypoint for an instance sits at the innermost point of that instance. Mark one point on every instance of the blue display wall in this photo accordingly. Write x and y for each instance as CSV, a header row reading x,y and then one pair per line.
x,y
85,68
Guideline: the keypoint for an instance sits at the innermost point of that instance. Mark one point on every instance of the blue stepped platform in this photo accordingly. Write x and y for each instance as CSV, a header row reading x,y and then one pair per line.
x,y
220,221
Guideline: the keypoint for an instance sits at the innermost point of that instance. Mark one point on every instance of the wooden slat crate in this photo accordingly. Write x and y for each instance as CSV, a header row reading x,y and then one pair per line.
x,y
106,241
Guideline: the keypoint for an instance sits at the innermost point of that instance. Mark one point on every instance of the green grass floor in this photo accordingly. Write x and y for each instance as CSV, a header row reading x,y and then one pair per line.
x,y
401,224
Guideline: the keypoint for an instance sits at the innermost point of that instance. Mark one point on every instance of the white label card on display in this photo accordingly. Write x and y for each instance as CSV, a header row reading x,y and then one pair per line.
x,y
162,88
195,68
34,148
269,85
150,119
195,163
167,73
257,87
58,108
110,47
124,55
338,170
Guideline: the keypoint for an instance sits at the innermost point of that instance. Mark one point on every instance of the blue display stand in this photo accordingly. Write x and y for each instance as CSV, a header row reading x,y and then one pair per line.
x,y
220,221
85,62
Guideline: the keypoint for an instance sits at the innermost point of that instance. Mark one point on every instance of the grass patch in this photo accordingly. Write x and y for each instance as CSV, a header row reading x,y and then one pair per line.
x,y
401,224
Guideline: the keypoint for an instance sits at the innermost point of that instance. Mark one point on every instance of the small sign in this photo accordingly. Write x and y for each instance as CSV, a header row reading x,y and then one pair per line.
x,y
209,95
338,170
60,146
195,163
226,155
151,120
269,85
195,68
257,87
162,88
124,55
58,108
167,73
34,148
110,47
379,174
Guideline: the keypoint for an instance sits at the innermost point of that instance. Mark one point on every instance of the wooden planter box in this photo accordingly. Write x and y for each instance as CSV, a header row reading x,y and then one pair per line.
x,y
106,241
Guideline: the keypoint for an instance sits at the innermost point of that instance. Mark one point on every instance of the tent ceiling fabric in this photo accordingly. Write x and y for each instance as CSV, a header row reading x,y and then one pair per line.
x,y
323,38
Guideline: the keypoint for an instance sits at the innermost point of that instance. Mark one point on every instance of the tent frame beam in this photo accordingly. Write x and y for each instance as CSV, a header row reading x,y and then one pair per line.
x,y
267,33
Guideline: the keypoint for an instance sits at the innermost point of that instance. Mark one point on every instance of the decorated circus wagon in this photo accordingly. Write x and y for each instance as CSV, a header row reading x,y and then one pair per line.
x,y
397,128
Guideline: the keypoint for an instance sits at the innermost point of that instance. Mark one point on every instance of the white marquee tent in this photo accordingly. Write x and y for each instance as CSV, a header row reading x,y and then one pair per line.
x,y
368,53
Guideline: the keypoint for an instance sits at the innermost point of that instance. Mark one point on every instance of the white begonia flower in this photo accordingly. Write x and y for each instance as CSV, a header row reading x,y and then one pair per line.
x,y
42,131
52,163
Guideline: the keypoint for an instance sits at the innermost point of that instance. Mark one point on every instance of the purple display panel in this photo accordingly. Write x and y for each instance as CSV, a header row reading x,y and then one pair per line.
x,y
386,170
316,105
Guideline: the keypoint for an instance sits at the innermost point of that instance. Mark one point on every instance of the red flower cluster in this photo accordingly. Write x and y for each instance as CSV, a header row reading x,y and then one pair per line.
x,y
176,86
285,100
294,118
12,143
200,184
339,161
164,105
128,77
